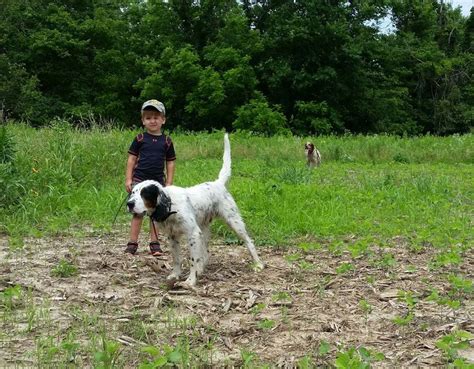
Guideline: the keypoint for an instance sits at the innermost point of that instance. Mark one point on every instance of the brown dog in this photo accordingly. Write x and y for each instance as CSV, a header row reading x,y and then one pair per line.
x,y
313,156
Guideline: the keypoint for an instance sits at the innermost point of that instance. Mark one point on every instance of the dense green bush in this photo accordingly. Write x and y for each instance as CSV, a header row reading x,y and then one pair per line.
x,y
258,116
316,118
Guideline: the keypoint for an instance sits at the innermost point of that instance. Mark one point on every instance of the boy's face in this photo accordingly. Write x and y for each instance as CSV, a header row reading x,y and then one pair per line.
x,y
152,121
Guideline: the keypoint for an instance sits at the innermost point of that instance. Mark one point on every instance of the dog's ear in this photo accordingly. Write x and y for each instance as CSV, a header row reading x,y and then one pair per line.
x,y
149,195
162,206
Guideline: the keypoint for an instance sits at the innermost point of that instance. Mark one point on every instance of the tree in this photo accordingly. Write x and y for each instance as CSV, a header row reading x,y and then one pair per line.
x,y
257,116
172,78
435,72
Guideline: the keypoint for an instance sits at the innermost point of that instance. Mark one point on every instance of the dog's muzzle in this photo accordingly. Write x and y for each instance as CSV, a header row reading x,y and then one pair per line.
x,y
130,206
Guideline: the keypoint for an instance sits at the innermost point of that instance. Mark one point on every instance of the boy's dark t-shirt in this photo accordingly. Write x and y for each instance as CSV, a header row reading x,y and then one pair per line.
x,y
152,152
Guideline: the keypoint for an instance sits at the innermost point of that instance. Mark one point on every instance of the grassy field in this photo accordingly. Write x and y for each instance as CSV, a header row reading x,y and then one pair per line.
x,y
378,239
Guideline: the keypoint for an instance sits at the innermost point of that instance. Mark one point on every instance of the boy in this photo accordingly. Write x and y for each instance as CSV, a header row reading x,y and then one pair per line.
x,y
147,156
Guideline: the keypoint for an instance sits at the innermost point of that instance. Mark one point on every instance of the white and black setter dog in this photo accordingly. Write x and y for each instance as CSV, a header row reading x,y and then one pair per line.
x,y
186,213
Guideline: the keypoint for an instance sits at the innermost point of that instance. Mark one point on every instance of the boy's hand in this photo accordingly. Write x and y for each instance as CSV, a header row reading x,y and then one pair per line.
x,y
128,185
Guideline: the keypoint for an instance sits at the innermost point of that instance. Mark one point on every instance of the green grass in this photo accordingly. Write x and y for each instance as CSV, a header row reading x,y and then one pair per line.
x,y
65,180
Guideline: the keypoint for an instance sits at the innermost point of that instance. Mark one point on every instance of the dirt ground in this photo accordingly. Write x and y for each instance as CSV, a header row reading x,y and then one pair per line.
x,y
301,300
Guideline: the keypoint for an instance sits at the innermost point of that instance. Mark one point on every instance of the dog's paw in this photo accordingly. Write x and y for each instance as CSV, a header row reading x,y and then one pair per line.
x,y
186,285
258,267
171,280
173,277
170,283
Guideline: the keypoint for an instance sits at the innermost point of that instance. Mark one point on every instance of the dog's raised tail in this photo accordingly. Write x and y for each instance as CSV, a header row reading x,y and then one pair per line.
x,y
225,172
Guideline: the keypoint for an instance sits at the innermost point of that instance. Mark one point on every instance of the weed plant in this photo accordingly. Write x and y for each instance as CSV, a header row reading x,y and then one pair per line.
x,y
64,269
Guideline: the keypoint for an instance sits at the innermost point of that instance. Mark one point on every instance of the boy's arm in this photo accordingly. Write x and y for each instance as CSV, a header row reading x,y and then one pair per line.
x,y
132,160
170,165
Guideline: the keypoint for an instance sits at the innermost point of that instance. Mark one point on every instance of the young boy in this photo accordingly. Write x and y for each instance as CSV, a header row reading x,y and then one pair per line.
x,y
148,154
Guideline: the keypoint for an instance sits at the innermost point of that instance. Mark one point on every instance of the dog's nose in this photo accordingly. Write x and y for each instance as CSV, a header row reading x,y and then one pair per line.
x,y
130,205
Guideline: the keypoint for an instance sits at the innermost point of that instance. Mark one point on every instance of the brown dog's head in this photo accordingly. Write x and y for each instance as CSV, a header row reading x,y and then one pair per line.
x,y
309,148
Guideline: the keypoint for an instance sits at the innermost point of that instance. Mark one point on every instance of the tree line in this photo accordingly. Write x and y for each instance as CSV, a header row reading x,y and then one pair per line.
x,y
268,66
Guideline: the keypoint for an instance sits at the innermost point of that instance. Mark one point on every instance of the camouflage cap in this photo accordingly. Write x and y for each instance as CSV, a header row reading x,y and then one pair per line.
x,y
158,105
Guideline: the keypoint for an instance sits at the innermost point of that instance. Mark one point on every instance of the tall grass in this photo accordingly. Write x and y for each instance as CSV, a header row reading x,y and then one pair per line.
x,y
66,180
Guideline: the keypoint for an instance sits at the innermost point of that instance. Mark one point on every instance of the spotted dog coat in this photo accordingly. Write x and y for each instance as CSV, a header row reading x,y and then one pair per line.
x,y
188,212
313,156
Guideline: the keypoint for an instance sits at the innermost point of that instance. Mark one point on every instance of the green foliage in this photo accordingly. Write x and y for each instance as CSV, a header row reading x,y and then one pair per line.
x,y
429,33
345,268
461,290
257,116
387,261
7,149
50,350
169,356
305,363
180,354
251,360
172,77
410,300
315,119
64,269
353,358
106,358
266,324
324,348
461,285
281,296
365,306
451,343
10,186
327,68
258,308
10,297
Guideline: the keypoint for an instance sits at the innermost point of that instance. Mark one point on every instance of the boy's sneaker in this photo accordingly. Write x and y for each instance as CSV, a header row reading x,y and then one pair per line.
x,y
132,248
155,249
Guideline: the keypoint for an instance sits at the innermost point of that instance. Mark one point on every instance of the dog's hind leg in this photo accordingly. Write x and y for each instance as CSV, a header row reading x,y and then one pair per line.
x,y
230,213
206,236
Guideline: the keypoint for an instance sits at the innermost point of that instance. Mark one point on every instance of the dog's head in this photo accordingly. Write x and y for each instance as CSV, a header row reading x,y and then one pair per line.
x,y
308,148
145,197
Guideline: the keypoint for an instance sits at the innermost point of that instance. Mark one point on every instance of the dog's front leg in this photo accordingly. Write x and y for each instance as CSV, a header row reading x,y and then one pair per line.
x,y
176,254
197,259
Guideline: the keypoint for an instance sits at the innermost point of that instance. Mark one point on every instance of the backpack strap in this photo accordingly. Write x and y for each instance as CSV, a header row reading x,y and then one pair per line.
x,y
167,142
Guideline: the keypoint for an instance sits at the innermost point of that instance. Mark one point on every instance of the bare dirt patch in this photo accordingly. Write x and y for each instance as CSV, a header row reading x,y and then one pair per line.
x,y
299,302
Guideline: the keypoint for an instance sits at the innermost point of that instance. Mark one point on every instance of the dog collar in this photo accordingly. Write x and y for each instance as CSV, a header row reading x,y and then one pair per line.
x,y
163,210
160,216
